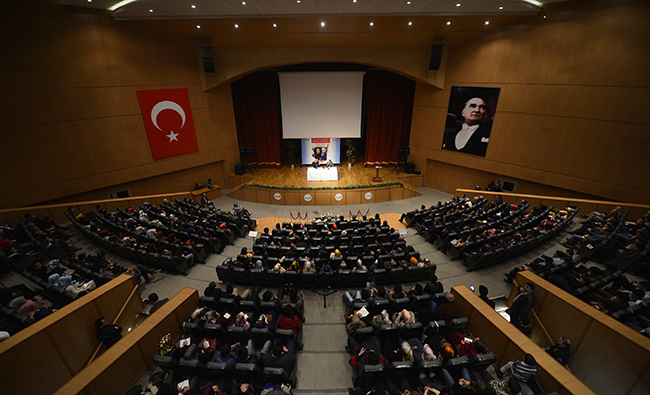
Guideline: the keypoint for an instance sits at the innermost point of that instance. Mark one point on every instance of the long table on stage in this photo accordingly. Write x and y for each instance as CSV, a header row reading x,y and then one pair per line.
x,y
322,174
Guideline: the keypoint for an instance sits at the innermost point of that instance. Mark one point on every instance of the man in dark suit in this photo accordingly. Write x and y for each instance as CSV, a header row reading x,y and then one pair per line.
x,y
281,356
522,305
474,134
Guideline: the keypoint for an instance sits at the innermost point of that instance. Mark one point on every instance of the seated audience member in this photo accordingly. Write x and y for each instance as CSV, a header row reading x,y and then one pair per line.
x,y
208,184
470,387
212,291
367,357
522,371
449,309
108,333
505,387
561,351
288,320
155,301
483,293
205,201
397,293
281,356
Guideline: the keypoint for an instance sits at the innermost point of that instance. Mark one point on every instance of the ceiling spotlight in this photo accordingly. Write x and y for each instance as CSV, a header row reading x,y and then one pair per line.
x,y
236,26
408,3
354,1
90,1
322,24
448,23
457,4
193,6
243,3
198,26
487,22
298,1
501,7
372,23
410,23
150,10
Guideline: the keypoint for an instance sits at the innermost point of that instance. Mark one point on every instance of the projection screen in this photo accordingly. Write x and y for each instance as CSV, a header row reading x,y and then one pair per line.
x,y
321,104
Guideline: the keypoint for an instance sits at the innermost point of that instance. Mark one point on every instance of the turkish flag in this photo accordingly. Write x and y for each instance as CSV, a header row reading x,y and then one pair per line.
x,y
167,117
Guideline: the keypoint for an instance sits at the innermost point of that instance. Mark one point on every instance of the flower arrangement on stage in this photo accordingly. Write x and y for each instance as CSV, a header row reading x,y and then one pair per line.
x,y
295,188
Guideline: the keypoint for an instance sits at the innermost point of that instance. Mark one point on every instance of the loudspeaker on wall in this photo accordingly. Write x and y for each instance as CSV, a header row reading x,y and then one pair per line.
x,y
436,56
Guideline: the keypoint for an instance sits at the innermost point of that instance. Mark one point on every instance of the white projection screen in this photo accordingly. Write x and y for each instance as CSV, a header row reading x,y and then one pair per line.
x,y
321,104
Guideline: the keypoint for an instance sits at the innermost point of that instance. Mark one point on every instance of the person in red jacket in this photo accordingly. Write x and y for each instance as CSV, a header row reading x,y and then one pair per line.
x,y
288,320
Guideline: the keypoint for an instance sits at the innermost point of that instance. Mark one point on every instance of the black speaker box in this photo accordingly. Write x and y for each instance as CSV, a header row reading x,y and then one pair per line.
x,y
436,56
240,169
403,151
208,59
410,167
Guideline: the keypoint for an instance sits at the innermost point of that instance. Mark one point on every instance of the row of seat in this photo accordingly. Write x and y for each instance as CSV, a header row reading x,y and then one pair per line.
x,y
190,245
215,245
339,279
478,261
243,222
147,258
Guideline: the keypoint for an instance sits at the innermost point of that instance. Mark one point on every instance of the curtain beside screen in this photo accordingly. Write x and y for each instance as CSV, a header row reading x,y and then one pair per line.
x,y
389,100
256,101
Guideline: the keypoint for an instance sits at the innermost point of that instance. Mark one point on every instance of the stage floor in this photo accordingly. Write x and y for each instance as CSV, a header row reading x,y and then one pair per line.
x,y
356,175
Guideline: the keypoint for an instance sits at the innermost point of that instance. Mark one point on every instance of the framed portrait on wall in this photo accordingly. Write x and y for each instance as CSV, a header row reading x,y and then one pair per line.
x,y
469,119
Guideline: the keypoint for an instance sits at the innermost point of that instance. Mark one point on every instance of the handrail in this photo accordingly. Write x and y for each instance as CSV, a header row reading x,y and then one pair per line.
x,y
510,344
633,210
14,214
119,315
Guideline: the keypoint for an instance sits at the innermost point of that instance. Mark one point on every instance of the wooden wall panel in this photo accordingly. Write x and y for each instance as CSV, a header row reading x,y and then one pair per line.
x,y
322,197
292,198
570,119
72,109
121,366
263,196
382,194
354,197
63,342
602,348
509,344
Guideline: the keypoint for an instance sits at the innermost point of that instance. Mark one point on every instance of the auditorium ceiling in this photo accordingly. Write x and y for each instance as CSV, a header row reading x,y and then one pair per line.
x,y
260,23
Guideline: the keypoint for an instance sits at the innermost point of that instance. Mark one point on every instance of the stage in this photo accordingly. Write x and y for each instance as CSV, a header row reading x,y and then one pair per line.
x,y
286,186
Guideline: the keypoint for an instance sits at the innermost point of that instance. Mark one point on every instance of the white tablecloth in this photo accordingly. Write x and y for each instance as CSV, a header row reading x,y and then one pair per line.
x,y
322,174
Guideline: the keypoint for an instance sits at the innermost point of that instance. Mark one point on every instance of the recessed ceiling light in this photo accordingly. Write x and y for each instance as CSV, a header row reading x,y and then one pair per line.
x,y
501,7
298,1
243,3
150,10
322,24
372,23
90,1
193,6
457,4
448,23
408,2
410,23
487,22
354,1
236,26
198,26
275,25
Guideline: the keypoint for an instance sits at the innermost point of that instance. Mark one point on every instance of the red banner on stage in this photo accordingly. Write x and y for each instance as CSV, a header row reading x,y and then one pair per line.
x,y
167,117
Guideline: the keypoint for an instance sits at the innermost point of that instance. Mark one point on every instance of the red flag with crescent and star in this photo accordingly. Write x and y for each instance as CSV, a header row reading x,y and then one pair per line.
x,y
167,117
